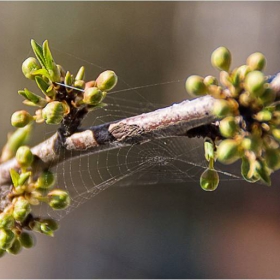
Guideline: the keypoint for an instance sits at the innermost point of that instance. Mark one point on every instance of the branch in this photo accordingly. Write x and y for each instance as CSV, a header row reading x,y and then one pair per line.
x,y
172,121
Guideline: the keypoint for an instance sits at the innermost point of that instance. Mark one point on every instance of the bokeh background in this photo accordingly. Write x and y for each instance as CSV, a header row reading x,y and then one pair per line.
x,y
160,231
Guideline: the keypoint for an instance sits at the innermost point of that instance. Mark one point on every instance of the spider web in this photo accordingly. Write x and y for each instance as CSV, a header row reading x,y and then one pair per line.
x,y
173,160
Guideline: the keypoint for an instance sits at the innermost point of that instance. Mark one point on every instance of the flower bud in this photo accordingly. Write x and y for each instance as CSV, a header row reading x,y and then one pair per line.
x,y
7,238
24,156
107,80
28,66
21,209
210,81
242,72
209,180
6,220
93,96
221,59
15,248
256,61
21,118
252,143
54,112
254,83
268,96
228,127
276,133
195,85
58,199
26,240
263,116
46,180
48,226
228,151
221,108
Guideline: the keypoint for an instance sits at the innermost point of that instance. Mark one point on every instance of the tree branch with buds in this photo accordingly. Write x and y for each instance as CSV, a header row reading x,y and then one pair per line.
x,y
238,116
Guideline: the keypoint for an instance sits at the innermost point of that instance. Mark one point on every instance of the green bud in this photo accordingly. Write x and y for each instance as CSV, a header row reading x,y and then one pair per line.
x,y
209,180
254,83
268,96
228,151
26,240
7,238
6,220
58,199
28,66
24,156
242,72
15,248
195,85
21,209
107,80
93,96
256,61
46,180
263,116
221,108
228,127
276,133
48,226
272,158
252,143
221,59
79,84
54,112
21,118
245,171
81,74
61,70
210,80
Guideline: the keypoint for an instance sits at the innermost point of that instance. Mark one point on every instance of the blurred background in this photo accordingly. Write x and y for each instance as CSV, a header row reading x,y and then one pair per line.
x,y
164,230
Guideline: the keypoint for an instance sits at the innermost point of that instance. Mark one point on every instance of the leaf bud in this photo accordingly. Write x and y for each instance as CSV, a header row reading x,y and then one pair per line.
x,y
195,86
209,180
256,61
228,151
53,112
79,84
93,96
61,70
21,118
221,108
24,156
210,81
15,248
7,238
228,127
28,66
58,199
21,209
263,116
45,180
26,240
6,220
221,59
81,74
107,80
254,83
276,133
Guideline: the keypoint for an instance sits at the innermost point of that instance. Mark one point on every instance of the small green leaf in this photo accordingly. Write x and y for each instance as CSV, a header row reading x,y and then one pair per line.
x,y
42,72
33,98
44,87
48,56
23,178
15,177
263,172
81,74
38,51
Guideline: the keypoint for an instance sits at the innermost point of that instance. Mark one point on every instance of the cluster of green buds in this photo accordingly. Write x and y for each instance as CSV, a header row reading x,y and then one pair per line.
x,y
63,93
248,114
28,190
